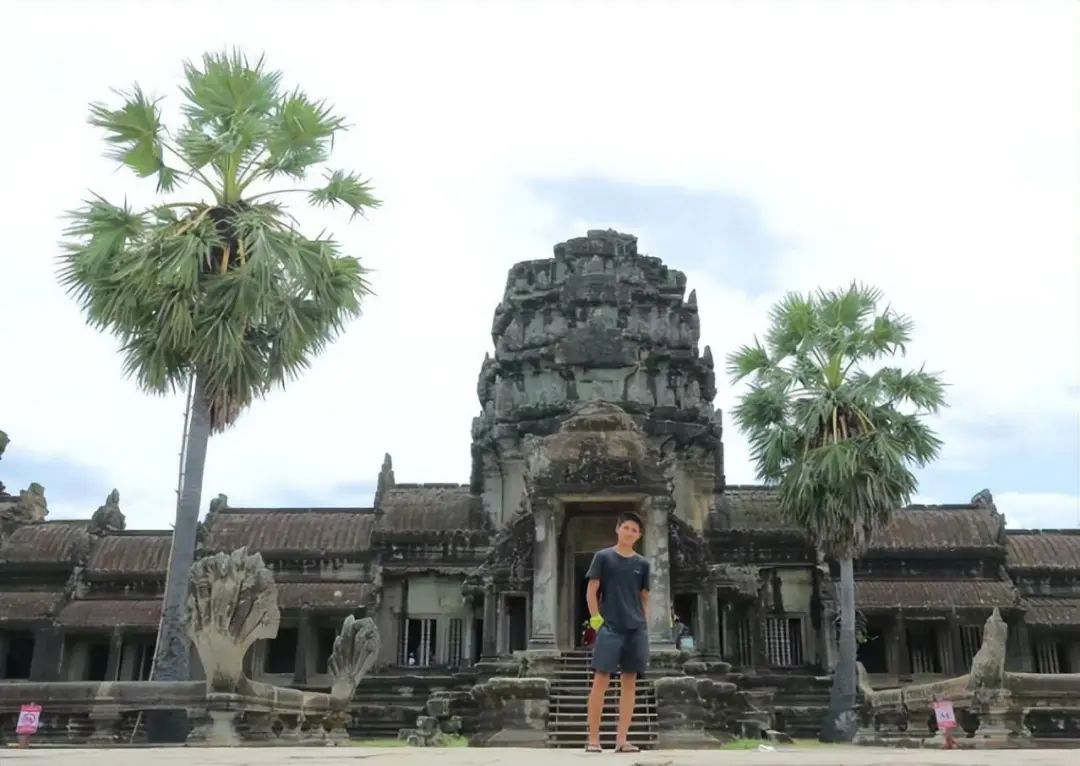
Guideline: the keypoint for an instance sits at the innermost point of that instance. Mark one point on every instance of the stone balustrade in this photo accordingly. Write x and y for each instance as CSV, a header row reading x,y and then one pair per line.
x,y
232,601
993,707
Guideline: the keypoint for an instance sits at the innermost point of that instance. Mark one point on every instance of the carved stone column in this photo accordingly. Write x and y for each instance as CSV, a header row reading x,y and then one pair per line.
x,y
48,647
710,620
656,514
116,646
903,656
305,639
759,651
955,657
491,622
467,635
545,577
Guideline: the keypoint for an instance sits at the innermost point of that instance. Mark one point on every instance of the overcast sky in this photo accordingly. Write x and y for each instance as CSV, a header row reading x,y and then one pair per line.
x,y
929,148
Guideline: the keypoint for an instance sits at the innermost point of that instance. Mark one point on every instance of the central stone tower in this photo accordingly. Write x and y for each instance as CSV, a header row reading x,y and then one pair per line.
x,y
596,400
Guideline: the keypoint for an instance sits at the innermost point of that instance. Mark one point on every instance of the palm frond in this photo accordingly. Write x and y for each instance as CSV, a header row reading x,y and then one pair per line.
x,y
748,360
345,189
300,134
226,88
134,129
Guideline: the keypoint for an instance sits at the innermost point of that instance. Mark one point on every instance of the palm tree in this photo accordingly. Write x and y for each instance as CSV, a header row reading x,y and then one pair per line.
x,y
220,295
838,438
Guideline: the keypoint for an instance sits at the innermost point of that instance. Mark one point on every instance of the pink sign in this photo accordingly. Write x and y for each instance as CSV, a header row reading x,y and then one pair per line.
x,y
29,715
946,717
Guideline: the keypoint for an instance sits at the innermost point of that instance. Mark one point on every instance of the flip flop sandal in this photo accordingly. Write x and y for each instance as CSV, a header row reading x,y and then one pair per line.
x,y
626,747
593,749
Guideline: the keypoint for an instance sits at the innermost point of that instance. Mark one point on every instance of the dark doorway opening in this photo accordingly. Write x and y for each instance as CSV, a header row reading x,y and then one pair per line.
x,y
923,647
325,648
281,652
515,613
581,603
97,661
685,608
20,656
872,651
478,639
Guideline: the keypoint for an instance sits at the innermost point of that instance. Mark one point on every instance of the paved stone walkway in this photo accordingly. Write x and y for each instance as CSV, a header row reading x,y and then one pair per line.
x,y
463,756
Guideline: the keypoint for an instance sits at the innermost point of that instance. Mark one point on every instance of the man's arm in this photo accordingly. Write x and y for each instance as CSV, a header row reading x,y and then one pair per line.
x,y
591,597
646,583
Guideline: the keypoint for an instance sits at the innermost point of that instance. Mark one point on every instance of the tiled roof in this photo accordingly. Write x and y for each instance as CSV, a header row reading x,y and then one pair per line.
x,y
426,509
333,532
915,594
105,613
1058,612
940,528
1045,550
28,605
56,543
751,508
130,554
336,595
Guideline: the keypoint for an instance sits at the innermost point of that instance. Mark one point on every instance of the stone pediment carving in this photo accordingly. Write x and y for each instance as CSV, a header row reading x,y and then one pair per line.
x,y
599,446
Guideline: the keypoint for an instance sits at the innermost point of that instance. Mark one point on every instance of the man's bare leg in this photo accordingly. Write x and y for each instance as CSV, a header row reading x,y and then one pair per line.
x,y
627,698
596,706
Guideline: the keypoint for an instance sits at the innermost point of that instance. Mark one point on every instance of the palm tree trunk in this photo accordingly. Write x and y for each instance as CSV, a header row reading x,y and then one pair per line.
x,y
840,724
172,656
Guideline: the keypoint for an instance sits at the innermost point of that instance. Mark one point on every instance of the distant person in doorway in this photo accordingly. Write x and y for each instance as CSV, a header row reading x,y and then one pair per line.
x,y
618,599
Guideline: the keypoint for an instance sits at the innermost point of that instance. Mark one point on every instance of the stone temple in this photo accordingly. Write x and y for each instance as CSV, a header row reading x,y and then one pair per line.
x,y
597,398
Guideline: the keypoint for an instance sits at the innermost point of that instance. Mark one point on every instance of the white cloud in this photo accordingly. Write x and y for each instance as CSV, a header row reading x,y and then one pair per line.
x,y
1039,510
928,148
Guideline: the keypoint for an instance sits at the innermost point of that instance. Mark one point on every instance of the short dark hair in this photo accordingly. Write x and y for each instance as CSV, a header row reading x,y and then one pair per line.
x,y
630,516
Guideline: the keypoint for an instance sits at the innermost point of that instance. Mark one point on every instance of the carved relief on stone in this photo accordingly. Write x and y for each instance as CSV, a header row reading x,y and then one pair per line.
x,y
355,650
231,603
30,508
688,552
510,560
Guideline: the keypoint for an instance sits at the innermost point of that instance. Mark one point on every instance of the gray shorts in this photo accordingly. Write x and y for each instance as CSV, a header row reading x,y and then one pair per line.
x,y
626,651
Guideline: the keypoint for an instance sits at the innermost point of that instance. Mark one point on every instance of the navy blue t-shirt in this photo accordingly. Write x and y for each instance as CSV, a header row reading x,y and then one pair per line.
x,y
622,578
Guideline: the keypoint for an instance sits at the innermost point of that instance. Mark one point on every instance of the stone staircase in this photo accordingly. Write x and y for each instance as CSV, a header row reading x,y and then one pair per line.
x,y
568,712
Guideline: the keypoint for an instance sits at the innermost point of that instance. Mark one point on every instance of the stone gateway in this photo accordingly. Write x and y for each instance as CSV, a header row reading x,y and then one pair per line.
x,y
596,400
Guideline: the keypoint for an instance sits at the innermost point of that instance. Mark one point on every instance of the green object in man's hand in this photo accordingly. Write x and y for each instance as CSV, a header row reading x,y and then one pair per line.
x,y
596,621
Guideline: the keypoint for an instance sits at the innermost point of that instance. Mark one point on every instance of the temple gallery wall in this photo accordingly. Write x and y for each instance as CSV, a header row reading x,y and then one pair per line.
x,y
595,399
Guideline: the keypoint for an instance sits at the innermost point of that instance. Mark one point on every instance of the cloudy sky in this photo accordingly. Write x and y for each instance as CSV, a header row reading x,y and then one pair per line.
x,y
929,148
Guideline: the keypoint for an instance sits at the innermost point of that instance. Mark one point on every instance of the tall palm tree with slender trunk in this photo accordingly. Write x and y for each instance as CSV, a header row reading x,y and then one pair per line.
x,y
838,432
220,294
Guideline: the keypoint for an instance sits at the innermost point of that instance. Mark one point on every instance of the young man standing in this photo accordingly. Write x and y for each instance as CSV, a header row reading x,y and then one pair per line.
x,y
620,577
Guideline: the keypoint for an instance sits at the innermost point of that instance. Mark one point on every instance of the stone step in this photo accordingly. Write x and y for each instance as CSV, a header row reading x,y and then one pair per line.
x,y
583,679
583,690
607,740
610,695
606,732
583,673
581,707
609,698
578,717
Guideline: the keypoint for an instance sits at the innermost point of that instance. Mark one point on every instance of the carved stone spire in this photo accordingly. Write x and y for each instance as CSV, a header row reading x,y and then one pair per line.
x,y
386,478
